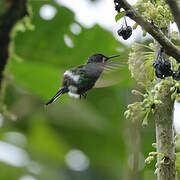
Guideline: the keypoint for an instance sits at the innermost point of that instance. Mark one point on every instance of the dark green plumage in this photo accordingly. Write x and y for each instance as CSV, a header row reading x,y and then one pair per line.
x,y
77,81
89,73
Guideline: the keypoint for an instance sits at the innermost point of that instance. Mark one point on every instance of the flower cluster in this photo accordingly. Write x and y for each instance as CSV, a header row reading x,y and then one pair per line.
x,y
140,62
158,13
139,111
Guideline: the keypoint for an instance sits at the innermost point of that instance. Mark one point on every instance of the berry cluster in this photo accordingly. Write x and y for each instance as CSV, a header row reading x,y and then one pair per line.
x,y
124,31
163,68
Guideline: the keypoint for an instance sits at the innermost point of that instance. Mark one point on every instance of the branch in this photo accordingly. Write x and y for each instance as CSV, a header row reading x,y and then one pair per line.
x,y
175,10
168,46
164,126
165,135
10,12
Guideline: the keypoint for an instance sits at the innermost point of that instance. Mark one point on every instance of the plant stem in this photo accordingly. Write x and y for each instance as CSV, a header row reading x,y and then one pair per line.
x,y
165,132
165,135
10,12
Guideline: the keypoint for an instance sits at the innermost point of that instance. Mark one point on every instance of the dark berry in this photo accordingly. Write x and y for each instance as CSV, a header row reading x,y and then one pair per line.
x,y
129,30
125,32
162,68
125,37
122,31
117,7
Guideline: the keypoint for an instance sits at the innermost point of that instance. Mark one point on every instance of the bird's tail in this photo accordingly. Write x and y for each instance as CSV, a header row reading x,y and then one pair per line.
x,y
60,91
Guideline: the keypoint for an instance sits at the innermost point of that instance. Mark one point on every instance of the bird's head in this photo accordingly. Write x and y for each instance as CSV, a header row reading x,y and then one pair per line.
x,y
99,58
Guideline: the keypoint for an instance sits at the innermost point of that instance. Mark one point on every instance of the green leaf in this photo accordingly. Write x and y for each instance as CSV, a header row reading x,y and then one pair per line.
x,y
120,15
56,147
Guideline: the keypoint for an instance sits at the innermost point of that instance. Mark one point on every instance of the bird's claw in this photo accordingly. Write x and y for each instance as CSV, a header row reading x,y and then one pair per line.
x,y
84,95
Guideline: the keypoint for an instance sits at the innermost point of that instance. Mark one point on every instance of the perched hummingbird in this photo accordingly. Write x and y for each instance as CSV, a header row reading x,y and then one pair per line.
x,y
77,81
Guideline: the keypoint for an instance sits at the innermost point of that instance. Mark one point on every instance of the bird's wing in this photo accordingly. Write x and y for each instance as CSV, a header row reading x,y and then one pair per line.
x,y
110,75
114,65
91,70
88,75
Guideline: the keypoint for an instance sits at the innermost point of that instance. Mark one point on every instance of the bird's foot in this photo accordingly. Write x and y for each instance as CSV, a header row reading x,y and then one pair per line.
x,y
84,95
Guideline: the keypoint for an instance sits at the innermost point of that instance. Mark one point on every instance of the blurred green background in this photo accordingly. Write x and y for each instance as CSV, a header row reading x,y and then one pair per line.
x,y
71,139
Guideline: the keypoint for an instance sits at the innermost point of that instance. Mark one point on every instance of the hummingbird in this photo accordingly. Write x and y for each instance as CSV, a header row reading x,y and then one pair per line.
x,y
77,81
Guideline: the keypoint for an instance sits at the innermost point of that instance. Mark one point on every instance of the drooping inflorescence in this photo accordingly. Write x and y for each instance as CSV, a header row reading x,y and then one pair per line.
x,y
125,31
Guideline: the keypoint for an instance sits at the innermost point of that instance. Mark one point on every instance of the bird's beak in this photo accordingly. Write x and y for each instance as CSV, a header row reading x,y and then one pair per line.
x,y
111,57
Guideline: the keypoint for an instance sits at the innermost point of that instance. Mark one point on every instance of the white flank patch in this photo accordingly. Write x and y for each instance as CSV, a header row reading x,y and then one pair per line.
x,y
72,89
73,95
69,73
73,92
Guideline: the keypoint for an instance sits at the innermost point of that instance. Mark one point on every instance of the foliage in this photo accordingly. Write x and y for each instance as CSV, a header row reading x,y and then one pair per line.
x,y
156,11
120,15
96,126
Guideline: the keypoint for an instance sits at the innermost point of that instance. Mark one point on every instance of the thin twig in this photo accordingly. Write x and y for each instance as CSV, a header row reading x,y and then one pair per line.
x,y
156,33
